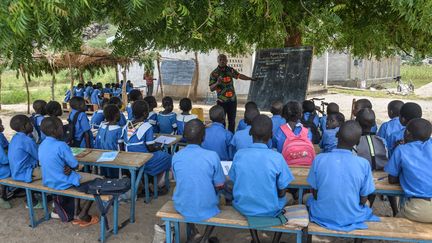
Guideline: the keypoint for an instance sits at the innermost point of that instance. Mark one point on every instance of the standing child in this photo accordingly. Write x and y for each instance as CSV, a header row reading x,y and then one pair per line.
x,y
98,117
331,108
362,104
341,183
242,138
37,117
217,138
310,120
277,119
152,118
79,90
167,119
88,91
83,136
96,95
185,116
329,139
249,105
118,102
410,165
134,95
387,128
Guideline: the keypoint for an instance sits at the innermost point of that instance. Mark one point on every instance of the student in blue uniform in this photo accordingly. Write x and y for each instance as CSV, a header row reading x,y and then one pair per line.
x,y
129,86
96,95
110,136
4,173
37,117
249,105
54,109
408,112
341,183
57,166
98,117
167,119
277,119
329,139
196,197
387,128
118,102
331,108
152,118
88,91
185,116
117,91
217,138
107,89
67,96
79,90
362,104
138,137
83,136
133,95
243,139
4,143
410,165
309,111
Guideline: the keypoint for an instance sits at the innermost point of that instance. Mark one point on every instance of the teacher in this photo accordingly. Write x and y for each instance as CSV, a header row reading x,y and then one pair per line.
x,y
221,81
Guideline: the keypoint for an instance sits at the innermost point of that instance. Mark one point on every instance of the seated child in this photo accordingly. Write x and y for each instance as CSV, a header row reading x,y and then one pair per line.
x,y
167,119
341,183
277,119
152,118
329,139
249,105
266,169
83,137
217,138
117,91
331,108
57,167
96,95
134,95
362,104
107,89
410,165
138,137
387,128
118,102
408,112
37,117
242,138
185,116
54,109
3,141
310,120
98,117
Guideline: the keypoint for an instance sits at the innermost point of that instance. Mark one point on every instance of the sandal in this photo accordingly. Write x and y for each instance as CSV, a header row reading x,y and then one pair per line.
x,y
77,222
94,220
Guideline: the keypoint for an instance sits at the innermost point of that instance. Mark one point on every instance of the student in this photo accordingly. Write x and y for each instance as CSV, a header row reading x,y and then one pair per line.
x,y
408,112
362,104
134,95
217,138
277,119
79,90
138,137
260,175
57,167
387,128
88,91
3,140
329,139
310,120
341,183
37,117
118,102
4,173
98,117
129,86
331,108
107,89
54,109
410,165
249,105
185,115
96,95
152,118
167,119
83,136
117,90
243,139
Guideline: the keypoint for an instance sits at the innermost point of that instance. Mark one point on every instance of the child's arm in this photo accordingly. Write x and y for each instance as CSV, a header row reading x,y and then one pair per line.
x,y
393,167
174,122
149,141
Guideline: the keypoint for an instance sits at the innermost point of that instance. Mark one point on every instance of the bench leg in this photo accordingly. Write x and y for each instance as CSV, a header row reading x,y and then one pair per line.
x,y
30,207
45,206
133,195
276,237
155,187
300,196
177,232
116,207
254,234
299,237
168,231
146,188
102,228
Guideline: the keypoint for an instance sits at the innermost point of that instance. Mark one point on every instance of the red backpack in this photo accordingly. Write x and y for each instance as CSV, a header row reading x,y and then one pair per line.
x,y
297,150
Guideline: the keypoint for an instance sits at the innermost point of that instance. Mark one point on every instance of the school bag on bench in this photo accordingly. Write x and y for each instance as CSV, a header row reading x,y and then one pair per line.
x,y
297,149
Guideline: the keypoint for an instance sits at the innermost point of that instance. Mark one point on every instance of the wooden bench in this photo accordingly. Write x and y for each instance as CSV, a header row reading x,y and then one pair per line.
x,y
228,217
37,186
394,229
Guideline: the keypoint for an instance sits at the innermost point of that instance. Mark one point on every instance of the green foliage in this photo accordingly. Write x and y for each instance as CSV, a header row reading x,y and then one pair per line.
x,y
420,75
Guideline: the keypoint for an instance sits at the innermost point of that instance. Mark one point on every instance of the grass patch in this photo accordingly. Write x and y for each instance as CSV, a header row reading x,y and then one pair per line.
x,y
420,75
376,94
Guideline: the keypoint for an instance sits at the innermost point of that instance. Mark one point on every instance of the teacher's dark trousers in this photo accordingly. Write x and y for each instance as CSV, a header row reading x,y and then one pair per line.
x,y
230,108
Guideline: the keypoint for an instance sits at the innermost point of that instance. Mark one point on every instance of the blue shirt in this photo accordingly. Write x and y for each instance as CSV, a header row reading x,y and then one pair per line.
x,y
167,122
340,179
129,112
67,96
107,90
117,92
323,123
3,141
88,92
374,129
4,165
54,155
387,128
412,163
109,137
123,120
181,121
82,126
277,121
79,92
316,119
258,172
279,137
241,125
393,140
97,118
95,97
242,139
23,157
137,139
329,140
218,139
195,196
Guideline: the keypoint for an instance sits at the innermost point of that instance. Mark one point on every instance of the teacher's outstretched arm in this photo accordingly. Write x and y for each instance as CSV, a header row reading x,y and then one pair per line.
x,y
244,77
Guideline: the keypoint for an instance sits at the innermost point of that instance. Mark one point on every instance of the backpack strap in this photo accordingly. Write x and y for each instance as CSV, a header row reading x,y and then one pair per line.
x,y
371,151
287,131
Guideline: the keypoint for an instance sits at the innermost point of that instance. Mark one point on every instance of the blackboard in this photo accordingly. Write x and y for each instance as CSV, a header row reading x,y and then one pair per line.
x,y
177,72
282,74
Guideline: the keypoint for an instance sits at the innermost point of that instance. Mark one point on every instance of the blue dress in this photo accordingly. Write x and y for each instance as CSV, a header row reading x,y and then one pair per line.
x,y
97,118
152,119
109,137
82,126
181,121
79,92
167,122
95,97
117,92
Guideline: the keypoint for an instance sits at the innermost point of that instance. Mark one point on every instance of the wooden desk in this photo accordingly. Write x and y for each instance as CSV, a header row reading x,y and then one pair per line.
x,y
173,144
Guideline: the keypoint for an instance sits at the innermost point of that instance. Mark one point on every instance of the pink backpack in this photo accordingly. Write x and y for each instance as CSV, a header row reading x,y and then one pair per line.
x,y
297,150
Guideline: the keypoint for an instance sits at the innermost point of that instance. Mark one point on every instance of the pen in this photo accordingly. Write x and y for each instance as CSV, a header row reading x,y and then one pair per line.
x,y
382,178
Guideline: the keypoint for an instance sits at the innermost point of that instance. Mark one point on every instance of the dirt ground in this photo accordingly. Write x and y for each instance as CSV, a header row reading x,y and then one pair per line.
x,y
14,222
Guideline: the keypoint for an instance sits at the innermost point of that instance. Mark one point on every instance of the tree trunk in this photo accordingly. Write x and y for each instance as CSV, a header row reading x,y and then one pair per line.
x,y
160,83
117,74
195,79
81,76
53,81
71,76
293,38
27,87
124,95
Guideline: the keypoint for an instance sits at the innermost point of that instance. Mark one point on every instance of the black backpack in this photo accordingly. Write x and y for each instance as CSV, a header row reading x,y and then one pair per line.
x,y
316,136
69,132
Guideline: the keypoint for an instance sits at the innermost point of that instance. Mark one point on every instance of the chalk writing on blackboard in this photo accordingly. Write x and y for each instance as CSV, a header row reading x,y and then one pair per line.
x,y
177,72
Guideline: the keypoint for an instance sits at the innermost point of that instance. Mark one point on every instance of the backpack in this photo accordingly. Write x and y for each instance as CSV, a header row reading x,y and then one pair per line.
x,y
373,149
69,132
64,207
297,150
316,136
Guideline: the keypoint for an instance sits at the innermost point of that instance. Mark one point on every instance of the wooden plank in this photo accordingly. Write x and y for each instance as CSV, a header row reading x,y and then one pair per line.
x,y
128,159
388,227
227,216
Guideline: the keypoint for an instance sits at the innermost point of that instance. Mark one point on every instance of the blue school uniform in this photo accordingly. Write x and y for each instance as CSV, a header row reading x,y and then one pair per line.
x,y
340,179
258,172
277,121
82,126
67,96
218,139
279,137
88,92
23,157
54,155
129,112
167,122
242,125
95,97
181,121
137,138
79,92
195,197
122,122
117,92
316,120
4,165
374,129
329,140
387,128
152,119
242,139
97,118
109,137
128,88
393,139
411,162
323,123
107,91
3,141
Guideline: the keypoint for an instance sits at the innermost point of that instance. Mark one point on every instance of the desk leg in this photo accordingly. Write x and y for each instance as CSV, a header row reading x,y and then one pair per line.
x,y
45,206
116,207
133,195
146,188
30,207
300,197
299,237
167,179
102,229
155,187
168,231
177,232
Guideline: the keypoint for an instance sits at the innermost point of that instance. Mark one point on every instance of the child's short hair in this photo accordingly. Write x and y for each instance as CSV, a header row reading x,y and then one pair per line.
x,y
135,95
39,106
217,113
18,123
116,101
51,126
111,112
366,118
107,85
349,133
167,101
277,108
292,111
410,110
363,103
250,114
338,117
53,108
151,100
78,104
185,104
80,85
394,107
194,131
140,107
250,105
261,128
332,108
421,129
308,106
99,85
